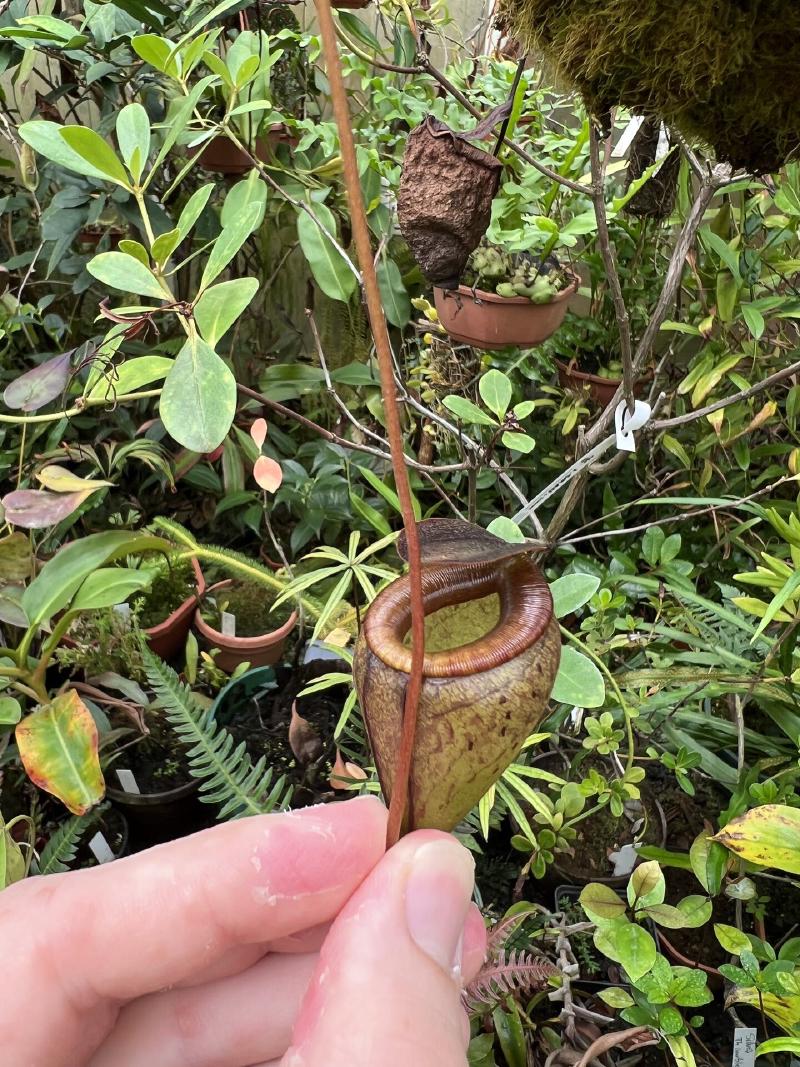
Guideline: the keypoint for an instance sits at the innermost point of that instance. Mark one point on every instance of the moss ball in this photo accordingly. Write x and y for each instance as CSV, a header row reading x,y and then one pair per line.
x,y
724,72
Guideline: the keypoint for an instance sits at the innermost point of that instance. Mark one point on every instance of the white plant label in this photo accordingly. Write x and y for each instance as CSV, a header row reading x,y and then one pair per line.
x,y
127,781
745,1039
627,422
101,850
627,135
228,623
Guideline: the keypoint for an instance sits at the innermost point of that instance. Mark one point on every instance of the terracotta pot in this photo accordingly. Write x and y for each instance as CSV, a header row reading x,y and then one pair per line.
x,y
350,5
221,155
486,320
260,651
91,238
169,637
601,389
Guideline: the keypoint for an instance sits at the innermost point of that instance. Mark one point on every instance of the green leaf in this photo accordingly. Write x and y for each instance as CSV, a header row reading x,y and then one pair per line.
x,y
768,835
510,1034
708,863
221,305
133,138
636,950
466,411
520,442
46,139
616,997
495,390
132,375
681,1050
194,209
646,885
135,249
370,514
91,147
786,592
230,241
164,245
58,747
578,682
732,939
177,120
696,911
330,271
198,400
600,902
156,51
109,586
670,549
754,319
778,1044
725,253
666,915
727,294
394,295
56,583
506,529
251,190
125,273
10,710
571,591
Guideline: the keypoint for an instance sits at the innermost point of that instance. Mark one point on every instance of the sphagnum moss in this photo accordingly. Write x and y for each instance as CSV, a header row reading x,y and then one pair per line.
x,y
722,71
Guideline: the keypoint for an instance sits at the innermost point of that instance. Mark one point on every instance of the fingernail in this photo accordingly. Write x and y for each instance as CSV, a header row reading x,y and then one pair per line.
x,y
438,895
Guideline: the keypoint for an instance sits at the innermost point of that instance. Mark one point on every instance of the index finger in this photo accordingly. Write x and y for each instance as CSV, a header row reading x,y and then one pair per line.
x,y
135,926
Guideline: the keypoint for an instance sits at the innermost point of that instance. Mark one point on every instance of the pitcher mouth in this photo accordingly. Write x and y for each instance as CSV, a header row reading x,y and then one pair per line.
x,y
526,611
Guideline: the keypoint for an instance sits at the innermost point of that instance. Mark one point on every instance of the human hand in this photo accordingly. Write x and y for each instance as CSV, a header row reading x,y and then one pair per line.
x,y
206,952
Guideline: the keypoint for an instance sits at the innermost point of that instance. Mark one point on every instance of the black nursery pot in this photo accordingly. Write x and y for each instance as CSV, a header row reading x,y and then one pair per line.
x,y
157,817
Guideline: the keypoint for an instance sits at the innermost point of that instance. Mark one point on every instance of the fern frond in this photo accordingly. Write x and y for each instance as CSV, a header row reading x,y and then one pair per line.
x,y
228,776
235,563
62,844
509,973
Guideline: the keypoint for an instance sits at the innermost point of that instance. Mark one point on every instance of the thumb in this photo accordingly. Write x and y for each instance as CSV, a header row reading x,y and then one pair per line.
x,y
387,988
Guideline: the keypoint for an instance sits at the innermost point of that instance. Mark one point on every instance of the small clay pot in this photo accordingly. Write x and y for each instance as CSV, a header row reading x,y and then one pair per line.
x,y
601,390
90,237
261,651
222,156
169,637
486,320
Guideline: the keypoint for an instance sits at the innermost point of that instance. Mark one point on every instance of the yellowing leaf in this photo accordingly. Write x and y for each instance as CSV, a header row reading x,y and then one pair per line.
x,y
768,835
58,748
60,480
785,1011
267,473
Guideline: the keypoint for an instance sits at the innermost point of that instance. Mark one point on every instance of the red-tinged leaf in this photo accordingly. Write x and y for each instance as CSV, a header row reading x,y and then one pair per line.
x,y
344,773
36,509
258,431
58,748
39,386
267,473
304,740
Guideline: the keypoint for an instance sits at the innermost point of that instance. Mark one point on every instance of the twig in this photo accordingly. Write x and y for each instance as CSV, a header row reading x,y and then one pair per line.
x,y
380,333
607,252
745,394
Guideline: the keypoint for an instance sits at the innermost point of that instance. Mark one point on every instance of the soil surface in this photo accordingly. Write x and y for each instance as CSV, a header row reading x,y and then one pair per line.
x,y
157,759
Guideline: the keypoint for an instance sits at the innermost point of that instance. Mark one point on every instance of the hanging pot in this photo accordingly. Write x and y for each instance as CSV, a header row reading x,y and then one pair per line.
x,y
260,651
656,198
486,320
445,198
168,637
492,653
601,389
222,156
